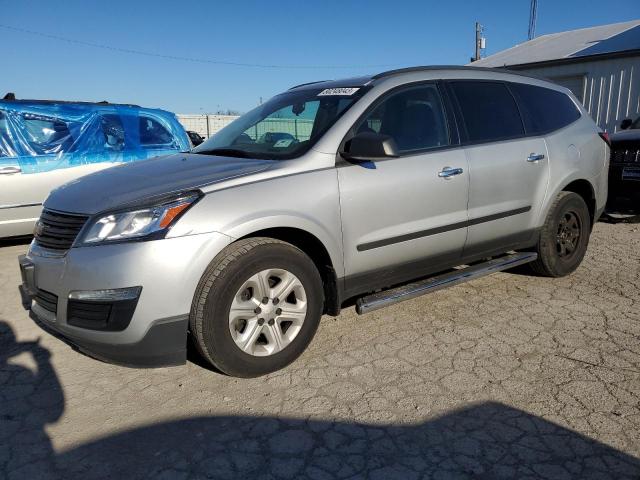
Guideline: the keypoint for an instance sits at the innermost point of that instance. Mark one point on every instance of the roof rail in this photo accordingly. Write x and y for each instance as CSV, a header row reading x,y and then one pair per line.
x,y
427,68
10,97
308,83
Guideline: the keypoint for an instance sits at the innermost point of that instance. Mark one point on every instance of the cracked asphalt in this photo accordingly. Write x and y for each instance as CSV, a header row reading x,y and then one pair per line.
x,y
510,376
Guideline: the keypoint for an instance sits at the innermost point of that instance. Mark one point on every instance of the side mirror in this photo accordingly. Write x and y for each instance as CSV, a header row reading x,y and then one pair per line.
x,y
626,123
367,146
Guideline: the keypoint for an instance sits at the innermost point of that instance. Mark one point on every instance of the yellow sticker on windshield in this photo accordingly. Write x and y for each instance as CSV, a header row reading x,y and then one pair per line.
x,y
339,91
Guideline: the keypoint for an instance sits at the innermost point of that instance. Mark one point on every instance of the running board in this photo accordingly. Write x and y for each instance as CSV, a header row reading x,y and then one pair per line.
x,y
412,290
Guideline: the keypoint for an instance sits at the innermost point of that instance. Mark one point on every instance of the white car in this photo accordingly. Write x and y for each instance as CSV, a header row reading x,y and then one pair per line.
x,y
44,144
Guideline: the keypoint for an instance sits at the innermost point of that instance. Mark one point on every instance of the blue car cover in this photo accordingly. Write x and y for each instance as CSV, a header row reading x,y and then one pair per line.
x,y
40,136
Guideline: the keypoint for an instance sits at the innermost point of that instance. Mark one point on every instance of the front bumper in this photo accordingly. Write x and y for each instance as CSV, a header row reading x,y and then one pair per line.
x,y
164,344
168,272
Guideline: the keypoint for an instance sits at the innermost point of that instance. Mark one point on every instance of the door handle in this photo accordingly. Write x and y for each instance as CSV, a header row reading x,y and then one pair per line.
x,y
535,157
9,170
447,172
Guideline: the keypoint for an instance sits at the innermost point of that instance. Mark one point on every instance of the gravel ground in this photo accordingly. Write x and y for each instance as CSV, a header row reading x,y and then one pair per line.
x,y
509,376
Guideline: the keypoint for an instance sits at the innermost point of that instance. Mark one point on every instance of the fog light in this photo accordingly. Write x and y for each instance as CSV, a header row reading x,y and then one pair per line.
x,y
109,295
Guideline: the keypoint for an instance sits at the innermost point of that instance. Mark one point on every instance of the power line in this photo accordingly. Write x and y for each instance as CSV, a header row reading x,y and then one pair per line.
x,y
185,59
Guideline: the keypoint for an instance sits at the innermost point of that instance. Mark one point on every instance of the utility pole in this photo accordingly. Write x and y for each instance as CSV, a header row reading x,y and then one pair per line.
x,y
480,42
478,37
533,14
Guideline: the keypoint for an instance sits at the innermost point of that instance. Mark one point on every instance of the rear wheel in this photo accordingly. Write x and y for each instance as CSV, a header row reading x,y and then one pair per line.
x,y
257,307
564,236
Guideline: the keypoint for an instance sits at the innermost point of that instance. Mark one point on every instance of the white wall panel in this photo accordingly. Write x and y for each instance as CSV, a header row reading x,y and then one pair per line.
x,y
611,87
205,125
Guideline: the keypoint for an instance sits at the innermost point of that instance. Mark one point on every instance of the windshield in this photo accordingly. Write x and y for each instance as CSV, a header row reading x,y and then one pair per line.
x,y
284,127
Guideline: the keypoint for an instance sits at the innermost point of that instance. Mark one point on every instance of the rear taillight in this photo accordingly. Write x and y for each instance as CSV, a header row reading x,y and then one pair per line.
x,y
605,136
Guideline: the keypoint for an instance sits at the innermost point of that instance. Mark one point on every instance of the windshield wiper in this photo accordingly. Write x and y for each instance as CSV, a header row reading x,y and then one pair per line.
x,y
225,152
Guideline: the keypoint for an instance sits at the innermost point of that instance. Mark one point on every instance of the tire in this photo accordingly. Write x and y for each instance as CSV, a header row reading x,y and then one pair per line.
x,y
560,252
244,347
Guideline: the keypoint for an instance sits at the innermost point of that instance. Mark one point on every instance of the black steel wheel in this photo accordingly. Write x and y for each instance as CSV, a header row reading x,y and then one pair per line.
x,y
564,236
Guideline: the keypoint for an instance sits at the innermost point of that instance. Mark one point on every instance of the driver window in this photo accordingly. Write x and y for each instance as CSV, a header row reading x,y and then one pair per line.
x,y
153,134
413,117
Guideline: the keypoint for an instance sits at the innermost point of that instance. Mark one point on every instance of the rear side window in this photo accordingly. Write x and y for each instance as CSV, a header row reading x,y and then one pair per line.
x,y
489,111
544,110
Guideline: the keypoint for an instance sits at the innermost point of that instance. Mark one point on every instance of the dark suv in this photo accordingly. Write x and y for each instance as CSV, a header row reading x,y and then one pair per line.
x,y
624,171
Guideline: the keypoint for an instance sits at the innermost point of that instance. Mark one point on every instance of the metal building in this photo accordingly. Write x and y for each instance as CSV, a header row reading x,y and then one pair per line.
x,y
601,66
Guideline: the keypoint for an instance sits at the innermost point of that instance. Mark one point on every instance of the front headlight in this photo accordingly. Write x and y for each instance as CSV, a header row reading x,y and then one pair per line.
x,y
141,223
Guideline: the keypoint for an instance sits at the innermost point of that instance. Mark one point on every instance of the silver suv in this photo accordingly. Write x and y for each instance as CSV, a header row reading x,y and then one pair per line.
x,y
368,189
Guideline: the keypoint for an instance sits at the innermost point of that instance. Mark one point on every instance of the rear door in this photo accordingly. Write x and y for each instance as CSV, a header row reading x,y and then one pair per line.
x,y
508,170
400,216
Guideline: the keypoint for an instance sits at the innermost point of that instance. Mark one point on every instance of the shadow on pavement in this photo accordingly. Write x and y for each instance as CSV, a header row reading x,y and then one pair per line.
x,y
12,241
28,401
620,218
482,441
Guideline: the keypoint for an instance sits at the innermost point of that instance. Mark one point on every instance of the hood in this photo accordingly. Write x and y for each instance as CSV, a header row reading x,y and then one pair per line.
x,y
135,182
624,136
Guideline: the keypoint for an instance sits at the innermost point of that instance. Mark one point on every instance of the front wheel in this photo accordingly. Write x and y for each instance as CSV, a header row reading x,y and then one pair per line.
x,y
257,307
564,236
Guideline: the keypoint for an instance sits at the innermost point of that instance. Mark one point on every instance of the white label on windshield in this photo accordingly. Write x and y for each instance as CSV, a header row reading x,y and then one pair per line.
x,y
283,143
339,91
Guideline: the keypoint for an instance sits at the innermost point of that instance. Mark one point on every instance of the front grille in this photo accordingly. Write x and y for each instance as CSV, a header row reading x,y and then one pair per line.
x,y
622,155
46,300
57,230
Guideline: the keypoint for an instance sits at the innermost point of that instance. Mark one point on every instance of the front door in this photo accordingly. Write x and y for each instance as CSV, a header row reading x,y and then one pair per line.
x,y
402,217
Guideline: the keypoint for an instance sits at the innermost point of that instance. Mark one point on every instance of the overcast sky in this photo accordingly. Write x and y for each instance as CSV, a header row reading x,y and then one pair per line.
x,y
279,43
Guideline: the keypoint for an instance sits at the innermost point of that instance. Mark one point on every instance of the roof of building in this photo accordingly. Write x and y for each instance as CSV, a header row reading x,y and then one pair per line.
x,y
571,45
